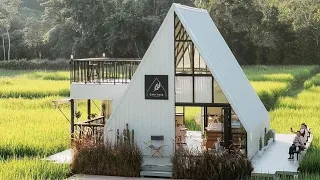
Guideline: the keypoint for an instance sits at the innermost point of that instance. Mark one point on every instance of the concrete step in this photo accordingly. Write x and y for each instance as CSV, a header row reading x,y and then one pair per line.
x,y
157,168
156,174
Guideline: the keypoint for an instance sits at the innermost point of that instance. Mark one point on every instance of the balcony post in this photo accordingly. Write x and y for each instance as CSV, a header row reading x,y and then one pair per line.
x,y
72,119
89,109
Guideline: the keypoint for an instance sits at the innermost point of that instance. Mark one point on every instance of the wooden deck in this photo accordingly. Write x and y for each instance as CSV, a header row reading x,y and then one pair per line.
x,y
275,159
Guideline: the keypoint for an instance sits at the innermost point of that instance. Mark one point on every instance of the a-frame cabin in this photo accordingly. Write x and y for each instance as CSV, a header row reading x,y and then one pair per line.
x,y
188,63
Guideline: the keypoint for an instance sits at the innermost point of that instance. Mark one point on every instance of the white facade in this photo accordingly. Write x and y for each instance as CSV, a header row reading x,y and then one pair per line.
x,y
149,117
227,72
156,117
97,91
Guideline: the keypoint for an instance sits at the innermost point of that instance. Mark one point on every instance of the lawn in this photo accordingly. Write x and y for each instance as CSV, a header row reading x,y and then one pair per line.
x,y
33,128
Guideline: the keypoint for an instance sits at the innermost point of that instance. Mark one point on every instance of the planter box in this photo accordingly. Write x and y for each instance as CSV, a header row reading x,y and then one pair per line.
x,y
260,152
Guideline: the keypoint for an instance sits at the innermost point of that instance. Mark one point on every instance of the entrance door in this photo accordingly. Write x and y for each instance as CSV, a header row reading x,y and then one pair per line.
x,y
227,134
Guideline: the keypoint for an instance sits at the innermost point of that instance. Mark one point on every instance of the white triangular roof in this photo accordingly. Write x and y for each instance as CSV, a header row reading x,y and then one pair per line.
x,y
223,66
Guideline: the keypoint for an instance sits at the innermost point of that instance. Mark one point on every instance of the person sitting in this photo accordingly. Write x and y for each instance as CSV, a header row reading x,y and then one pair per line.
x,y
304,132
297,142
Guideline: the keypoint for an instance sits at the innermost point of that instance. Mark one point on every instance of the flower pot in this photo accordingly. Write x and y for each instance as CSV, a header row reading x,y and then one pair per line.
x,y
272,140
260,152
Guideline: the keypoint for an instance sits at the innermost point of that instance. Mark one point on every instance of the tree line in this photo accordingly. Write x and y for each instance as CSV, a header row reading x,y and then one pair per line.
x,y
257,31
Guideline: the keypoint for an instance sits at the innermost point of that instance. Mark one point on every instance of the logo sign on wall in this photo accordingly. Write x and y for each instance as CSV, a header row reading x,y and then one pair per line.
x,y
156,87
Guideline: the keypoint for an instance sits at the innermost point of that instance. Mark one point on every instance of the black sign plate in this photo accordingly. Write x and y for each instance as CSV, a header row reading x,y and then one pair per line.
x,y
156,87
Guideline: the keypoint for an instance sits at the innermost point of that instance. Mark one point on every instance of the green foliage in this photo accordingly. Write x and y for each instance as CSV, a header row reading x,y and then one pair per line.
x,y
258,32
192,125
35,65
204,165
314,81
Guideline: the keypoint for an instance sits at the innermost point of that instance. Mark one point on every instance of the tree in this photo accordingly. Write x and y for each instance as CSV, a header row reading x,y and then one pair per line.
x,y
9,8
34,35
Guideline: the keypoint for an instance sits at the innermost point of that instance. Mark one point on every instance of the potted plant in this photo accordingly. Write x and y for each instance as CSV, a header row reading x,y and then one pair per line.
x,y
260,152
273,134
93,115
270,137
265,143
78,114
204,139
242,145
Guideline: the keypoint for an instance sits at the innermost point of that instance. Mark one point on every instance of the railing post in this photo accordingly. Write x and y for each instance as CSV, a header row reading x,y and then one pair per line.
x,y
72,120
89,109
115,72
71,70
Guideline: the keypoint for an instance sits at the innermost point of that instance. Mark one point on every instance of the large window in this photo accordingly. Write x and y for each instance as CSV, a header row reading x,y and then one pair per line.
x,y
218,95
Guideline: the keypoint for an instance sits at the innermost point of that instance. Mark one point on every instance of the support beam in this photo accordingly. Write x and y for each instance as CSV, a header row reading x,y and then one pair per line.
x,y
89,109
192,65
72,118
227,126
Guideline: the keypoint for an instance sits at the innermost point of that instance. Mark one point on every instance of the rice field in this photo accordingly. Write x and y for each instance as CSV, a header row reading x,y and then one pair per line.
x,y
31,168
33,128
292,111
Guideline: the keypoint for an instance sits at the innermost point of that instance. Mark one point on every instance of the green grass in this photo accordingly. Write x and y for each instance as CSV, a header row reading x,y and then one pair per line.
x,y
31,168
32,88
277,73
292,111
314,81
33,128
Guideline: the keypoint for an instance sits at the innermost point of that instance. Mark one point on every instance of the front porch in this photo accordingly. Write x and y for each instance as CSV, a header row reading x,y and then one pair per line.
x,y
275,159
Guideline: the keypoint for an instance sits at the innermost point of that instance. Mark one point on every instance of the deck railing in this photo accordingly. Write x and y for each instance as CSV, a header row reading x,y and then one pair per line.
x,y
90,129
103,70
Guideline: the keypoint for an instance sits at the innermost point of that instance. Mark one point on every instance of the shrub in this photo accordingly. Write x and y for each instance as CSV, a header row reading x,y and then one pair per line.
x,y
122,159
35,65
204,165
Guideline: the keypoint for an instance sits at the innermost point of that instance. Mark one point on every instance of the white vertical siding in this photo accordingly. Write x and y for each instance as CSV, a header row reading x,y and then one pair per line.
x,y
203,89
184,90
149,117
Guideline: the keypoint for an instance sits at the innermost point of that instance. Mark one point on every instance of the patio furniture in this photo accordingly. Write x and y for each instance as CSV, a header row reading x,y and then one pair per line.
x,y
156,145
298,151
181,134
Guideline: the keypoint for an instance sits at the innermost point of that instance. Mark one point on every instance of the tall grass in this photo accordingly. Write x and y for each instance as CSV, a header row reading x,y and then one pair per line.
x,y
32,88
122,159
204,165
35,127
31,168
278,73
314,81
32,132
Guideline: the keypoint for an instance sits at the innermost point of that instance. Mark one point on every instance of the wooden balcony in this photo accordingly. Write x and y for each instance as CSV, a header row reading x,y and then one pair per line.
x,y
103,70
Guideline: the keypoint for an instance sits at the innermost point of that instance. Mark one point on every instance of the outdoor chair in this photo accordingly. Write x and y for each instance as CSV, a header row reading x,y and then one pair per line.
x,y
298,151
156,149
